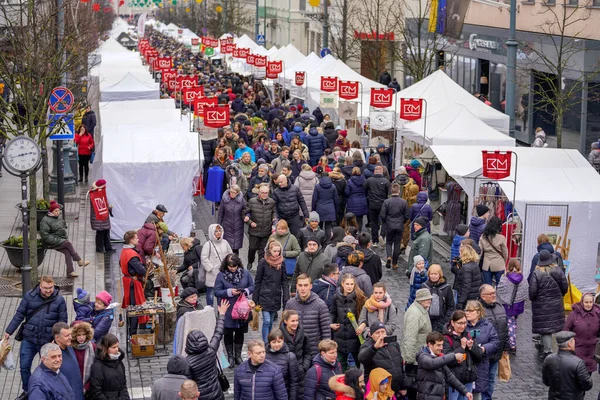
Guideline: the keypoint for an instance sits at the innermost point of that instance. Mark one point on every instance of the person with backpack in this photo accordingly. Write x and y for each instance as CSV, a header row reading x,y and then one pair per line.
x,y
325,365
457,340
442,302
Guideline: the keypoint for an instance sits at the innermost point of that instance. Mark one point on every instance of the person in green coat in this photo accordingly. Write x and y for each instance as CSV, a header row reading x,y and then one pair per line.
x,y
53,231
421,244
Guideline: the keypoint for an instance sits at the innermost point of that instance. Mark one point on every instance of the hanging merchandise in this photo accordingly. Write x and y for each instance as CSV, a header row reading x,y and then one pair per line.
x,y
453,207
347,110
381,120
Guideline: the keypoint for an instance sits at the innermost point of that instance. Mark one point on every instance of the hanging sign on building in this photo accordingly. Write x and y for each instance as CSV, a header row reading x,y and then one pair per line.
x,y
348,90
496,164
300,78
381,98
411,109
329,83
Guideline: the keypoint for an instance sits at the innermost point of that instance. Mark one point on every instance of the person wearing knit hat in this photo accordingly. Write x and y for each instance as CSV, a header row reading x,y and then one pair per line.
x,y
189,301
478,222
102,316
418,277
54,234
462,233
421,245
99,221
82,305
402,171
312,230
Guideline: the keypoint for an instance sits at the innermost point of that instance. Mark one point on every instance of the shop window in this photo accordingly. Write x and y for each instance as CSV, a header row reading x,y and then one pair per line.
x,y
302,5
573,3
550,2
596,3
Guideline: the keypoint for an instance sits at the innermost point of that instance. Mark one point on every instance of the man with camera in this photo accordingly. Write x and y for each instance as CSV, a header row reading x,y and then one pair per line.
x,y
383,351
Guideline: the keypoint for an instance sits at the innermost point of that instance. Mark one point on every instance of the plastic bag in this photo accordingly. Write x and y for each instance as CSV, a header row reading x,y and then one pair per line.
x,y
254,322
241,308
6,356
504,370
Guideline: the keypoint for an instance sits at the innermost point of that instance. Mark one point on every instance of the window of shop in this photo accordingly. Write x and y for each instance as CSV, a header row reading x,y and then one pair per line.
x,y
462,70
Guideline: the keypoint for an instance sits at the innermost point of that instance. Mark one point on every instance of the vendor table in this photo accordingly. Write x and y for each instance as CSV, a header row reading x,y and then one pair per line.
x,y
146,310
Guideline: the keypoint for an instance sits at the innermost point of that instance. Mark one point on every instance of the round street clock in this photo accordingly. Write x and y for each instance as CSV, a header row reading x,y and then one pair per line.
x,y
21,155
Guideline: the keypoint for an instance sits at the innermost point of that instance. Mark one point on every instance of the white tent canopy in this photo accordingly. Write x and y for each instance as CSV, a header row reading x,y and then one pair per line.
x,y
454,125
440,91
549,182
130,88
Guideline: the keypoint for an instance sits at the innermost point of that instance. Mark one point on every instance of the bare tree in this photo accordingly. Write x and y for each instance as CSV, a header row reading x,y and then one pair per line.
x,y
559,84
32,62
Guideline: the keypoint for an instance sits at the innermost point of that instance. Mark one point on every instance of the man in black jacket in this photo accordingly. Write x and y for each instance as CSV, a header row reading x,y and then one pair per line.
x,y
288,204
433,374
564,372
259,215
372,264
89,119
376,188
374,353
395,213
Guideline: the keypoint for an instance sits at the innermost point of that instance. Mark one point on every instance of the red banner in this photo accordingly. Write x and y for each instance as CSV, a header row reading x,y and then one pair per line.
x,y
186,81
190,95
275,67
300,78
411,109
162,63
329,83
151,62
223,43
214,43
100,204
496,164
260,61
199,105
227,49
270,75
348,90
236,53
250,59
216,117
206,40
381,98
168,74
195,41
244,52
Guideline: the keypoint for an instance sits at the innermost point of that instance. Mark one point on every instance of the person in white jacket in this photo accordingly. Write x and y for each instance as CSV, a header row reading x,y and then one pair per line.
x,y
213,253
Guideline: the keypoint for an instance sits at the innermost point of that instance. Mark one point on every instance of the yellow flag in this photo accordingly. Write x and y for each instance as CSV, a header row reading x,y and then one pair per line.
x,y
433,16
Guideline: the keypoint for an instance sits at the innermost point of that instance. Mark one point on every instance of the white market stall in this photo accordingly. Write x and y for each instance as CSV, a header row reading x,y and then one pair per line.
x,y
549,182
130,88
440,91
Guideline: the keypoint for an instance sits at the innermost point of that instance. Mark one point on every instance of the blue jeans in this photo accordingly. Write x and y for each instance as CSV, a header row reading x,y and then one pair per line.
x,y
267,324
27,354
210,296
489,275
487,395
454,394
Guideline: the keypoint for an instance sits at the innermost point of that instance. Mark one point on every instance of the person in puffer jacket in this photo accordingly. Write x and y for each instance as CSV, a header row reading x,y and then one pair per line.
x,y
279,354
455,336
306,182
442,305
478,222
257,377
512,291
82,305
543,242
462,233
485,334
418,277
325,365
354,267
102,315
202,357
420,209
317,144
468,279
297,343
433,375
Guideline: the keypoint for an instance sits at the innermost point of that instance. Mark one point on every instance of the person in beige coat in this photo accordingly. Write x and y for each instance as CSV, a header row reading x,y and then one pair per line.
x,y
306,182
493,251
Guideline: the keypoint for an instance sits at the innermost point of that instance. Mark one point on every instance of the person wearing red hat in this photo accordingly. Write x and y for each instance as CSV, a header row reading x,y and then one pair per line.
x,y
53,231
102,227
341,141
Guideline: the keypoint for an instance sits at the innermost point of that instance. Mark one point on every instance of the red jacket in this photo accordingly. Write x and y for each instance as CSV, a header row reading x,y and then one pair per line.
x,y
85,144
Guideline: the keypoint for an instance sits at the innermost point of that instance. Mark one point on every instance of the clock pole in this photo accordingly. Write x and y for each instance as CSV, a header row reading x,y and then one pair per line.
x,y
26,269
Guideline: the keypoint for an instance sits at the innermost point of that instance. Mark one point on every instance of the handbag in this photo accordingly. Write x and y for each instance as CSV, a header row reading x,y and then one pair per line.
x,y
223,381
19,334
241,308
504,370
290,262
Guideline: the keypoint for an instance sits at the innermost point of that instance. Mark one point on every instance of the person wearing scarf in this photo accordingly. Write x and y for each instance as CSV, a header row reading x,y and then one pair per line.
x,y
82,336
271,285
378,308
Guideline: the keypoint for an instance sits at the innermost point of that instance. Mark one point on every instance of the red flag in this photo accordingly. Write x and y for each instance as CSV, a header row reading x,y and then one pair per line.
x,y
162,63
200,103
381,98
168,74
236,53
216,117
191,94
496,164
250,59
275,67
270,75
186,81
411,109
100,204
300,77
348,90
329,83
244,52
260,61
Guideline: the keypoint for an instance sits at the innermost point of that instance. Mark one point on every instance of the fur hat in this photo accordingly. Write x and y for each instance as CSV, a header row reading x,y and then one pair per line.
x,y
79,326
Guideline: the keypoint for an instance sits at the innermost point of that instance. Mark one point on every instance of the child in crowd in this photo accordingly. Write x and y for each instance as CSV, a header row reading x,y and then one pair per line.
x,y
101,315
511,292
418,277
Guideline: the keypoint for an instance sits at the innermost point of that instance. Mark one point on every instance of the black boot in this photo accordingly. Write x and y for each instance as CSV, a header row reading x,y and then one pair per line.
x,y
230,358
238,353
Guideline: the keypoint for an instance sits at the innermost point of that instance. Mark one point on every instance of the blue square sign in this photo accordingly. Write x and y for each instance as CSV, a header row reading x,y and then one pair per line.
x,y
61,126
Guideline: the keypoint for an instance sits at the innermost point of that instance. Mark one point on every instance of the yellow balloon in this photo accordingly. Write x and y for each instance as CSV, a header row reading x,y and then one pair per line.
x,y
219,9
314,3
187,9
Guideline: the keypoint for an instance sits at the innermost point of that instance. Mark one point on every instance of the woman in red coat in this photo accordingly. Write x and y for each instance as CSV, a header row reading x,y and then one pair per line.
x,y
85,148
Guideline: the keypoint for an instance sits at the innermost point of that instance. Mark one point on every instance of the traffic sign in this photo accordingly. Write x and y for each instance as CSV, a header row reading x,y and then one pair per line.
x,y
325,51
65,129
260,39
61,100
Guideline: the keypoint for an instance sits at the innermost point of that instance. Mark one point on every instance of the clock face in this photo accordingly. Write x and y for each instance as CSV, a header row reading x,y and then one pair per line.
x,y
21,154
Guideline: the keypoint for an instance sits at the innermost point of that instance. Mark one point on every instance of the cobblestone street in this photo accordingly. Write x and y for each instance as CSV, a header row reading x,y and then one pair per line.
x,y
104,273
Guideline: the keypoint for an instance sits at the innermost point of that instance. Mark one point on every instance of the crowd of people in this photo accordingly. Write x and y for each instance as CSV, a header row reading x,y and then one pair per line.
x,y
315,208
